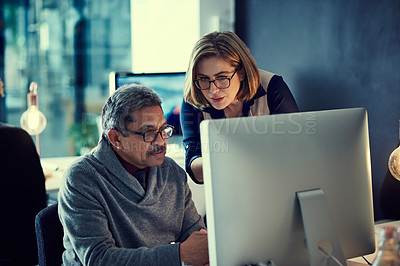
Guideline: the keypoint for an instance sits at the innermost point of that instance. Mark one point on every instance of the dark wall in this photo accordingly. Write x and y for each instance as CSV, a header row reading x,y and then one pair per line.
x,y
334,54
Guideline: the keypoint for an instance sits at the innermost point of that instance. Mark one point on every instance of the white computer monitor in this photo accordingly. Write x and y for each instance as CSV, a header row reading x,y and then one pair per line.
x,y
254,168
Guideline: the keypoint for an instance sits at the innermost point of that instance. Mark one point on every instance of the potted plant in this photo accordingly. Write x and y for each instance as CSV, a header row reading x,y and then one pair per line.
x,y
85,134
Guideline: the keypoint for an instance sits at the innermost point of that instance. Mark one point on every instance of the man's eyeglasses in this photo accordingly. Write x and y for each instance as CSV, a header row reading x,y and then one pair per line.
x,y
220,82
151,135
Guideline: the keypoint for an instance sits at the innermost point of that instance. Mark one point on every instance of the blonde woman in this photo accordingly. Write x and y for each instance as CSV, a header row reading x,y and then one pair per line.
x,y
223,81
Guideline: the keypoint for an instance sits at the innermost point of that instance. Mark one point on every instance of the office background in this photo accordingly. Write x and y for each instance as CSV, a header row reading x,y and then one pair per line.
x,y
332,54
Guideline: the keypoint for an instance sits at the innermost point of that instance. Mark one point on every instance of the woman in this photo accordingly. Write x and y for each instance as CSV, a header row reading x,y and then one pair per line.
x,y
223,81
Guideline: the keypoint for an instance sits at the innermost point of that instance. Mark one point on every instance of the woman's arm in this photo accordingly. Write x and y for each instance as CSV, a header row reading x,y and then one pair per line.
x,y
190,118
280,99
197,169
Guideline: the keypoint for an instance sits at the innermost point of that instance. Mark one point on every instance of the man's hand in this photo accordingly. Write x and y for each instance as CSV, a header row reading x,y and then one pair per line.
x,y
194,251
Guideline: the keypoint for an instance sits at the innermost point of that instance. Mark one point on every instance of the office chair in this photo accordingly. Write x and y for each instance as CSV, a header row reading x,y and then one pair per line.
x,y
22,196
49,234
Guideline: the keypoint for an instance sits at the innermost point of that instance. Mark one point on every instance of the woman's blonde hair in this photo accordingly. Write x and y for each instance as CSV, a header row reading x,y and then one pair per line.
x,y
228,46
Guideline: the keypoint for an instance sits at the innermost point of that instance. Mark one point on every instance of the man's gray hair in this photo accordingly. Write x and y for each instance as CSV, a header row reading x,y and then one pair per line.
x,y
117,112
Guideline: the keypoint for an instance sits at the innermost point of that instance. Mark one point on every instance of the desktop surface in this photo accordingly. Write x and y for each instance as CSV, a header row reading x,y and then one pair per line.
x,y
368,259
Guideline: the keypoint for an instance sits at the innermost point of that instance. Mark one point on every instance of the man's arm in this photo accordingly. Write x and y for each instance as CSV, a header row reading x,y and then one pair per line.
x,y
194,246
194,251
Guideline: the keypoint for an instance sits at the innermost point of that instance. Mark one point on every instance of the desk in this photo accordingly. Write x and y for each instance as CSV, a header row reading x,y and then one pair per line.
x,y
359,261
54,168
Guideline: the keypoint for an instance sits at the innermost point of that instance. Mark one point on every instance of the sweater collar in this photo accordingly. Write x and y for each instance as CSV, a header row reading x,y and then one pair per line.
x,y
130,168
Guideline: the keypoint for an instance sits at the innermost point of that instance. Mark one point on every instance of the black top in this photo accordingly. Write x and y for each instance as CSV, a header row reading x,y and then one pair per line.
x,y
22,196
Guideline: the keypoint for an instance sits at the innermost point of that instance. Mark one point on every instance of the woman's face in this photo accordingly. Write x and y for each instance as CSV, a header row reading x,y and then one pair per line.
x,y
214,68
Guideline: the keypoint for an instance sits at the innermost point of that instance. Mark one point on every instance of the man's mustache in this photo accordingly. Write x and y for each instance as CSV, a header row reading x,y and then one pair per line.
x,y
156,149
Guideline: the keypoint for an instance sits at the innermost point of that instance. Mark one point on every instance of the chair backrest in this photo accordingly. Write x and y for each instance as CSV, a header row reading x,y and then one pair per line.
x,y
49,234
22,196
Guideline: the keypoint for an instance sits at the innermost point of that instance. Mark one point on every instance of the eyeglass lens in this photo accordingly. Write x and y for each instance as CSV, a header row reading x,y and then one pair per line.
x,y
219,83
151,136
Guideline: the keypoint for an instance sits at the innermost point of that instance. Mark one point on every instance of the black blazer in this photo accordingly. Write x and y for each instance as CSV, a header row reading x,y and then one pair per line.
x,y
22,196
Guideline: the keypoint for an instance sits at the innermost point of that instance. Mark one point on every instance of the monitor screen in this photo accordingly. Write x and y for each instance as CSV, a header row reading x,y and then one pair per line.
x,y
169,86
254,167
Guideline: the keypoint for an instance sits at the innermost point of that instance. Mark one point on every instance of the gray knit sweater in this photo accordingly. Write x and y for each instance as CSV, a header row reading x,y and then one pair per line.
x,y
109,219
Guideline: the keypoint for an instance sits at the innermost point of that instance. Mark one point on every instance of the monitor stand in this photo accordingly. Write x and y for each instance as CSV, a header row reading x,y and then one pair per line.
x,y
319,229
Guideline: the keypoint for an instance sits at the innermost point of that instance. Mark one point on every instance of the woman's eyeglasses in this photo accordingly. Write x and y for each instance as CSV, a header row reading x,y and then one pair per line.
x,y
220,83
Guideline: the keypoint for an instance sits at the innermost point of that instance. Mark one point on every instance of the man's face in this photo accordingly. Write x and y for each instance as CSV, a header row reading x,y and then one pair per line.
x,y
134,149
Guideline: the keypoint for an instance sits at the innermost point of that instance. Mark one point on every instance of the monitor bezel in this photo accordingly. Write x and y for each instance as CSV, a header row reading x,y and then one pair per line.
x,y
113,77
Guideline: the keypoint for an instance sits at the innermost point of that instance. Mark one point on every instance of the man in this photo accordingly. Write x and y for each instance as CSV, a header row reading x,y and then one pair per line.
x,y
125,203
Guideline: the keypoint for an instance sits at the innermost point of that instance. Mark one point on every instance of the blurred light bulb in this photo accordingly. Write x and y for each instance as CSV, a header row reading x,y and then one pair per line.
x,y
394,163
33,121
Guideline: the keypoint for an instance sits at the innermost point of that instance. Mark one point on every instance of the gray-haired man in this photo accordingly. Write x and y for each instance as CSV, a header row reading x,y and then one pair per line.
x,y
125,203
